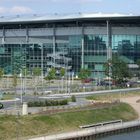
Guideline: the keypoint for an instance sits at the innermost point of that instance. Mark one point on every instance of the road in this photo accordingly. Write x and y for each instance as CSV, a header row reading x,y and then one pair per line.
x,y
80,96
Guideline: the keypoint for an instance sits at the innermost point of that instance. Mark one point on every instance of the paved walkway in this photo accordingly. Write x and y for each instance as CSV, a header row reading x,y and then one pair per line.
x,y
10,100
133,103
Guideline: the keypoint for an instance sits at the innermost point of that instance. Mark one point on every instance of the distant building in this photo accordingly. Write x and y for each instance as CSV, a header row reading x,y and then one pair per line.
x,y
71,42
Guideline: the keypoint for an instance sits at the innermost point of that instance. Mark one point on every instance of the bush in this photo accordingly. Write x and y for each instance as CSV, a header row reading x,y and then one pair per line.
x,y
63,102
47,103
73,98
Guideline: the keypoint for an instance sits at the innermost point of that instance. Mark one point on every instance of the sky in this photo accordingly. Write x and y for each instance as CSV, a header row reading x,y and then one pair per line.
x,y
27,7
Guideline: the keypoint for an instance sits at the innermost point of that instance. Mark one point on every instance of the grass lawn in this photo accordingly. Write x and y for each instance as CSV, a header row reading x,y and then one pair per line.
x,y
10,127
8,97
112,96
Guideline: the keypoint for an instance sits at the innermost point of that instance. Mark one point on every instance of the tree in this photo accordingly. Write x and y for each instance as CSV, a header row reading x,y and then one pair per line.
x,y
117,69
1,73
138,63
24,73
84,74
62,74
51,75
36,74
14,82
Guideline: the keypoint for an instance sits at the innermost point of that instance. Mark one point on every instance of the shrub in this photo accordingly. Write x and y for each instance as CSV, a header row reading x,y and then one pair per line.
x,y
47,103
73,98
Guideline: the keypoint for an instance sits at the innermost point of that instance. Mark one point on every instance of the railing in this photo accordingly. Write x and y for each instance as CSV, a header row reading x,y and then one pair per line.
x,y
101,124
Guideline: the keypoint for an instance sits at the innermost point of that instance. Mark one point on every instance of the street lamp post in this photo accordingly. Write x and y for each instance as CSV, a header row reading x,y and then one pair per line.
x,y
21,87
109,75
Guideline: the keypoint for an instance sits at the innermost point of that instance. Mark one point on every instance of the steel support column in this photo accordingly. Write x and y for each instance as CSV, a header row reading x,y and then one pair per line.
x,y
54,44
82,66
109,49
109,52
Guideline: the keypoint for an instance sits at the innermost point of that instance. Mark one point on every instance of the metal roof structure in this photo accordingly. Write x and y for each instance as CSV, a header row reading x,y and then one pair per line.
x,y
62,17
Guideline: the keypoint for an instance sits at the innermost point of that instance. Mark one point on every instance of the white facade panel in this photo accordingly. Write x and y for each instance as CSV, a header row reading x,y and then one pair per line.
x,y
1,33
68,31
15,32
1,40
125,30
15,40
39,40
40,32
95,30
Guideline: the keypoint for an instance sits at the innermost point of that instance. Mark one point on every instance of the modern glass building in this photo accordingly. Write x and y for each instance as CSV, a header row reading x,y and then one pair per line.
x,y
71,42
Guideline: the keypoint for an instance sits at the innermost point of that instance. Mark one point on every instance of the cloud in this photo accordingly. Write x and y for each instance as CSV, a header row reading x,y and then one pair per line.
x,y
89,1
76,1
16,10
3,10
20,10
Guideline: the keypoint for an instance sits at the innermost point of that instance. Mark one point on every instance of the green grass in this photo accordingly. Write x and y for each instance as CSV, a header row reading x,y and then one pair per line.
x,y
61,122
8,97
112,96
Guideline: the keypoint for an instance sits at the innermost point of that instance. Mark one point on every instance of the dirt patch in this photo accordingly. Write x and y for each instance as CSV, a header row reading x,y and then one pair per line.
x,y
133,102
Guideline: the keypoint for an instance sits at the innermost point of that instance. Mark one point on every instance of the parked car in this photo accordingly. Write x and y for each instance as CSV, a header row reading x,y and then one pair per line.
x,y
105,83
89,80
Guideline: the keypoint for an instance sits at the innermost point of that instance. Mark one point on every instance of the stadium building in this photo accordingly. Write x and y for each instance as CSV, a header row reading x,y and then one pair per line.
x,y
68,41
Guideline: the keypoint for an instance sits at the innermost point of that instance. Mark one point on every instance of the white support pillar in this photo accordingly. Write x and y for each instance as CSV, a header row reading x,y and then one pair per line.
x,y
82,66
27,35
54,42
109,49
24,109
42,67
3,36
109,53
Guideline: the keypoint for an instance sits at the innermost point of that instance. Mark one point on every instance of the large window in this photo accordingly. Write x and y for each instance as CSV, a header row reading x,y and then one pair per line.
x,y
127,47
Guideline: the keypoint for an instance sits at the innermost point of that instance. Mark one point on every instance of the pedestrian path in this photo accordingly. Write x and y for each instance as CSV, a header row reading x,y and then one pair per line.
x,y
133,102
11,100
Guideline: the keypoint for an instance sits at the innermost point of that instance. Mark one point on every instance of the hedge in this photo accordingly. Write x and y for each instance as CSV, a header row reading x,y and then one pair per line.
x,y
47,103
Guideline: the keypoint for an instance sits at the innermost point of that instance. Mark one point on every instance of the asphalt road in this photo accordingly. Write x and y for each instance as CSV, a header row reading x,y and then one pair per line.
x,y
80,96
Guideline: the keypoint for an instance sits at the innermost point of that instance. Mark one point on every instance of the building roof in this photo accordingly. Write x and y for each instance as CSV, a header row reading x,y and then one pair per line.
x,y
63,17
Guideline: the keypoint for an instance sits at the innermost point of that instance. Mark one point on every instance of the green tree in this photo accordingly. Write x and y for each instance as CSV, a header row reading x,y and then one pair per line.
x,y
62,74
51,75
84,74
117,69
14,82
138,63
1,73
36,74
36,71
25,72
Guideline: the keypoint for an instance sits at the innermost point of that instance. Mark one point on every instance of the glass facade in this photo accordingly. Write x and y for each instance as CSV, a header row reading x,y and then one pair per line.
x,y
69,48
127,47
95,54
65,52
